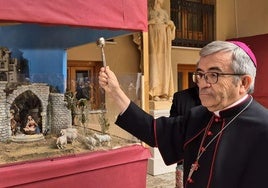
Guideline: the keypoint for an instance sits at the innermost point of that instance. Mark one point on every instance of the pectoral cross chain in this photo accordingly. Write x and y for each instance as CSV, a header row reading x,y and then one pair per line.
x,y
194,168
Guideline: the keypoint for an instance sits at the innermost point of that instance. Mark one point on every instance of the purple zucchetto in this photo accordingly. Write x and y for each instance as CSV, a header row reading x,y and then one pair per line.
x,y
246,49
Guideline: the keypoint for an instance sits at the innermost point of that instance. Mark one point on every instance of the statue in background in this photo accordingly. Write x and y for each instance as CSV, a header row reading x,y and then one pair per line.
x,y
161,34
137,39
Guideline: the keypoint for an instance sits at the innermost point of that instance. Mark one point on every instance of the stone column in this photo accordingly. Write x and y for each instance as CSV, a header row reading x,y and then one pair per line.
x,y
4,129
156,164
60,115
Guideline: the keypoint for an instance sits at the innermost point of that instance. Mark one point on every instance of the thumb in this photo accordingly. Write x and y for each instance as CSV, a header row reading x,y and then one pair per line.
x,y
108,71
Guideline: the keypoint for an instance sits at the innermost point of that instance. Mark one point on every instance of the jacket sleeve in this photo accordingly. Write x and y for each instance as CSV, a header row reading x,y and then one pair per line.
x,y
166,133
137,122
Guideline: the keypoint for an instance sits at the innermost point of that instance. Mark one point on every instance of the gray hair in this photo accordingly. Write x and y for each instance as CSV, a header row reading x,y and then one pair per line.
x,y
241,63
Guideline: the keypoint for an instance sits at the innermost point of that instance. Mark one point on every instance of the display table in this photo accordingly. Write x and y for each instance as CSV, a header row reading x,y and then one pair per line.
x,y
116,168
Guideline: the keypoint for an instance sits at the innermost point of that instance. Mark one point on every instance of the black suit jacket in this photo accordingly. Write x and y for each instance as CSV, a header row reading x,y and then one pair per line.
x,y
184,100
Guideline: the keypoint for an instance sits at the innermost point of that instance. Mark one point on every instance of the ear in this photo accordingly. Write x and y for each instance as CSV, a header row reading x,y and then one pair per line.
x,y
246,81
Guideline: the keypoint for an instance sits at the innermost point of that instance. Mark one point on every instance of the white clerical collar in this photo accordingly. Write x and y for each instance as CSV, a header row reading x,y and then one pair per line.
x,y
217,113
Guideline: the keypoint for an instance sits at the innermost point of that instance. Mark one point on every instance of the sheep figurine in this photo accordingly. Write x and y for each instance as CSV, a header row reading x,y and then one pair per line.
x,y
71,134
91,142
62,140
103,139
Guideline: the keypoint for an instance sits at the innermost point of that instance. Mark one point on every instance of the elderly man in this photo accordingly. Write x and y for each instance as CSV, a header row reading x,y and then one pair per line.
x,y
224,141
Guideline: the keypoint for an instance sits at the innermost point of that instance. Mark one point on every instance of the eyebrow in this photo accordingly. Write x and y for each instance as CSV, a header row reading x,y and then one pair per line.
x,y
210,69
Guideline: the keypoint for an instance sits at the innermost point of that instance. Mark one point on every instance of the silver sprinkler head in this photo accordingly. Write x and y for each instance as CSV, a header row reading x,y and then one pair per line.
x,y
101,42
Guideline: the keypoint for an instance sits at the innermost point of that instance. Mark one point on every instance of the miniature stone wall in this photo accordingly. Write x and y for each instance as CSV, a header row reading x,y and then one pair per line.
x,y
60,115
3,113
40,90
54,113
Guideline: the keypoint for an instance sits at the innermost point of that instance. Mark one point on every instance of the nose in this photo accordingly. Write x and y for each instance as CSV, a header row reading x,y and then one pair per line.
x,y
202,83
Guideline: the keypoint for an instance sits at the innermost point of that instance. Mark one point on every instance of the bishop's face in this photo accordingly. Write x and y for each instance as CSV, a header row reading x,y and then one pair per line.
x,y
219,95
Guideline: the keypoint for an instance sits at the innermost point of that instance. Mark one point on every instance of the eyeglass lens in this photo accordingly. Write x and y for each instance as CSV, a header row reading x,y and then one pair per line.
x,y
210,77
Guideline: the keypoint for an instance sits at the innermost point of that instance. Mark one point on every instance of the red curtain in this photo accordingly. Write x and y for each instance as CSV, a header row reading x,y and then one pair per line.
x,y
259,46
114,14
122,167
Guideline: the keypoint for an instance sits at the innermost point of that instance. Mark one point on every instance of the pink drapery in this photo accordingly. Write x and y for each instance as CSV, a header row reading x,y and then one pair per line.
x,y
122,167
258,44
113,14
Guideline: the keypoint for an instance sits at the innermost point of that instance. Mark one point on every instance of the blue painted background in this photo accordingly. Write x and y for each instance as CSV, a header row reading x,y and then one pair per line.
x,y
44,48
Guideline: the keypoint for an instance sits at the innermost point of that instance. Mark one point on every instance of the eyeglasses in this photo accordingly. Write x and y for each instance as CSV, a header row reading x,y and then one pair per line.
x,y
211,77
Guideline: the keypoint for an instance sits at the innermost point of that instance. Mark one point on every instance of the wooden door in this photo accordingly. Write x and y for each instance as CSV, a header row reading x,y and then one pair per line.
x,y
185,73
83,81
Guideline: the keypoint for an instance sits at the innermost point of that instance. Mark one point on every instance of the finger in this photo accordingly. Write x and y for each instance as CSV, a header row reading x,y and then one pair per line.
x,y
102,80
103,74
103,84
109,73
